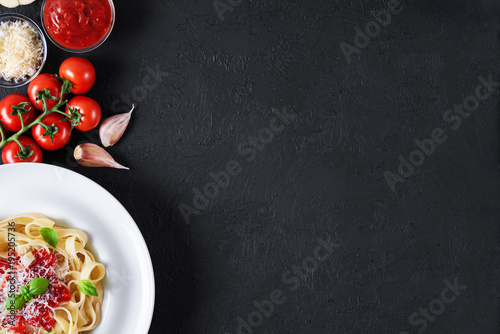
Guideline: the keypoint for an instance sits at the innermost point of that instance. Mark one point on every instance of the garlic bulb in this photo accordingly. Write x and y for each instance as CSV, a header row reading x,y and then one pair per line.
x,y
112,128
91,155
15,3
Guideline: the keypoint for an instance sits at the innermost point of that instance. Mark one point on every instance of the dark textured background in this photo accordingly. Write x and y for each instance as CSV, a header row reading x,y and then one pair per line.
x,y
323,175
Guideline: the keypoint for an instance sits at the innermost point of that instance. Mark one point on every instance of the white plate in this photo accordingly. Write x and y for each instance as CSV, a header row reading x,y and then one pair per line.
x,y
73,200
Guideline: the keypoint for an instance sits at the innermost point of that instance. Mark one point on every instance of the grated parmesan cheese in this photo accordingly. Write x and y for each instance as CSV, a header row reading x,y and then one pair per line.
x,y
27,259
23,275
21,50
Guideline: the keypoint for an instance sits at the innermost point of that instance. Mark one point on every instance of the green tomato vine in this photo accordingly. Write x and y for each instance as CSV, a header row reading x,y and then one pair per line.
x,y
50,130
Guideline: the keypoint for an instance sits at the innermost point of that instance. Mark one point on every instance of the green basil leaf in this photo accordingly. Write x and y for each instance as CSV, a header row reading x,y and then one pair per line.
x,y
15,303
25,293
28,297
87,288
50,236
38,286
23,290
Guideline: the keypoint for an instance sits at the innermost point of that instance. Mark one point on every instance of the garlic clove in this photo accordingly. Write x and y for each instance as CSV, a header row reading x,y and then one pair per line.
x,y
91,155
9,3
14,3
113,127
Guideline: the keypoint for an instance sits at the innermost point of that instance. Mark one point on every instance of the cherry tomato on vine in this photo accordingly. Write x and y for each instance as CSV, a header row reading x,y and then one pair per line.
x,y
88,108
80,72
32,152
56,136
41,82
9,105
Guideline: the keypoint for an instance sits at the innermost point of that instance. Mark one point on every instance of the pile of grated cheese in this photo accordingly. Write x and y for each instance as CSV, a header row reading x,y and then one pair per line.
x,y
21,50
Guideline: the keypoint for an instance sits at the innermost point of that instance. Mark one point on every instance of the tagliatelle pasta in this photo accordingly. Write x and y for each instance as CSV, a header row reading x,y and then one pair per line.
x,y
62,308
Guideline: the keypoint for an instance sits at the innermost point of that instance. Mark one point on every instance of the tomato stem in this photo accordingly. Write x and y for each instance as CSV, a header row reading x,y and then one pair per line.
x,y
2,133
21,119
19,144
61,112
24,152
15,137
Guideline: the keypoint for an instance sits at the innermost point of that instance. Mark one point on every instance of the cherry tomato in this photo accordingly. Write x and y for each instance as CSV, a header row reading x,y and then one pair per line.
x,y
10,153
89,109
60,136
41,82
80,72
12,122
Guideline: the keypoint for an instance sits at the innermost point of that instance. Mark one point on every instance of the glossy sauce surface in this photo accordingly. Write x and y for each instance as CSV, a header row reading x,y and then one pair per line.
x,y
77,24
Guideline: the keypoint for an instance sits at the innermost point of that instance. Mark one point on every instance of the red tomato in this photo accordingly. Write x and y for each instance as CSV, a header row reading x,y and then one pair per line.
x,y
89,109
60,129
12,122
45,81
80,72
10,153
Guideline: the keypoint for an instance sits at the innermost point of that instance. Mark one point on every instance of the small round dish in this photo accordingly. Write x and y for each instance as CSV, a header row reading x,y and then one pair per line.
x,y
18,17
53,39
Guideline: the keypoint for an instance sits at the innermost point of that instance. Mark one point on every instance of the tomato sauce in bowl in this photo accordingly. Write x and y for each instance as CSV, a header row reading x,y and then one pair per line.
x,y
78,25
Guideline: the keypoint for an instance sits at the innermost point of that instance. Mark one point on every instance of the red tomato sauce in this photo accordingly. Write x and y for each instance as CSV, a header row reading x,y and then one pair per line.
x,y
77,24
38,313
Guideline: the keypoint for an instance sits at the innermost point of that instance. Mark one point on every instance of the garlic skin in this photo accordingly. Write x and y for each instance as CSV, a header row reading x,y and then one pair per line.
x,y
14,3
91,155
113,127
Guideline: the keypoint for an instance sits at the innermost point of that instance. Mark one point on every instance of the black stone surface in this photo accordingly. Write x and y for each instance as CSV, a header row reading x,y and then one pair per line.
x,y
219,82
